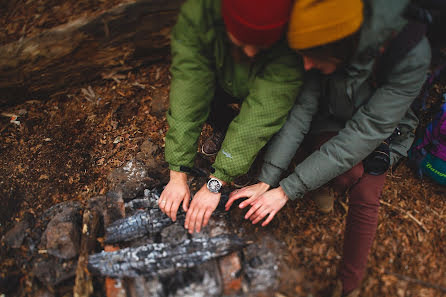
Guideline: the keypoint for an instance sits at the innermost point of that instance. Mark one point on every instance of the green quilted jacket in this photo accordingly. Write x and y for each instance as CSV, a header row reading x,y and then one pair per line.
x,y
201,59
348,103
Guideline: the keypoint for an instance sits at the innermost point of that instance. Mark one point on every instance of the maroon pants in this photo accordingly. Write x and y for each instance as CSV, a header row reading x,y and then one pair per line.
x,y
362,218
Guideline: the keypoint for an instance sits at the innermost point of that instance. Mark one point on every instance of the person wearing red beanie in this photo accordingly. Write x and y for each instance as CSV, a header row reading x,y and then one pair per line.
x,y
208,77
258,23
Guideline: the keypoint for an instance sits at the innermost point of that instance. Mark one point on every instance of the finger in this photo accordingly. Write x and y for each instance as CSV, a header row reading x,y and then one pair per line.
x,y
167,207
207,216
186,200
249,201
162,203
234,197
236,192
269,219
192,221
252,210
173,210
261,215
230,202
188,216
199,220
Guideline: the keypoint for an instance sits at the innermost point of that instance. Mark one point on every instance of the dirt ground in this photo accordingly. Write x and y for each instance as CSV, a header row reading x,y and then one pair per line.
x,y
63,148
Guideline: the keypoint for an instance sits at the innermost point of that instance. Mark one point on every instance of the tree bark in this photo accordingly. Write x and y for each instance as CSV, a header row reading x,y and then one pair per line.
x,y
67,55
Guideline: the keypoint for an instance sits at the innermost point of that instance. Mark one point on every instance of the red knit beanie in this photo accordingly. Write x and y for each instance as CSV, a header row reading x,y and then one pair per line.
x,y
256,22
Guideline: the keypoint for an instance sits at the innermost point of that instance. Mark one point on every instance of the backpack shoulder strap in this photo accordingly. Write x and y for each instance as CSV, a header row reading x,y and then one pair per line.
x,y
396,49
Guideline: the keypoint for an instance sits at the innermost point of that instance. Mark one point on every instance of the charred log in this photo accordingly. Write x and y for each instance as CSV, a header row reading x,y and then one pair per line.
x,y
141,223
160,259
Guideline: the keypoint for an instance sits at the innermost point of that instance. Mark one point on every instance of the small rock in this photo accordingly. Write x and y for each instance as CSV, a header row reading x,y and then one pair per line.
x,y
52,271
131,179
149,148
14,237
43,293
62,234
63,240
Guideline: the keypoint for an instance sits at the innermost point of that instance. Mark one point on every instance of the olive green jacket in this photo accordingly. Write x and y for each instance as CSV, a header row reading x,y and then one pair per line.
x,y
201,59
348,103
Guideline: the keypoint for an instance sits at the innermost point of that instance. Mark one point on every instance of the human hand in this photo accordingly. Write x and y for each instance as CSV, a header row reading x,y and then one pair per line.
x,y
174,193
203,205
253,192
268,203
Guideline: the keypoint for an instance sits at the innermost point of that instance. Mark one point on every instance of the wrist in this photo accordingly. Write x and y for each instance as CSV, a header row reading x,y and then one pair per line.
x,y
223,183
178,176
282,192
264,186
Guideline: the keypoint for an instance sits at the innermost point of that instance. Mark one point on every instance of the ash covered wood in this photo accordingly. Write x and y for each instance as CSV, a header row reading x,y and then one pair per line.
x,y
162,258
141,223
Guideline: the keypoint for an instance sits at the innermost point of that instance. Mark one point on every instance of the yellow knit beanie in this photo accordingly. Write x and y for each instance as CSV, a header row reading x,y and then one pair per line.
x,y
317,22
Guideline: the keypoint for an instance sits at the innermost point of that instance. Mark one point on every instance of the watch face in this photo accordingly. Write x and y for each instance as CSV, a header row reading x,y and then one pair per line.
x,y
214,185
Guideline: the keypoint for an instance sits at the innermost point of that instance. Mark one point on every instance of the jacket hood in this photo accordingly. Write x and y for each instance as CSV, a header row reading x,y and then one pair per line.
x,y
381,19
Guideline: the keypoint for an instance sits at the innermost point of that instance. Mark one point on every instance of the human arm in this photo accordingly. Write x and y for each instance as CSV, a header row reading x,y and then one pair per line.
x,y
272,93
373,122
284,144
192,89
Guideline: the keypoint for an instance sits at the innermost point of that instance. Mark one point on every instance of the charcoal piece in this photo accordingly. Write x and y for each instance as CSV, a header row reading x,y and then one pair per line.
x,y
162,258
261,264
130,179
201,281
114,208
141,223
61,237
52,271
150,200
174,234
15,236
142,287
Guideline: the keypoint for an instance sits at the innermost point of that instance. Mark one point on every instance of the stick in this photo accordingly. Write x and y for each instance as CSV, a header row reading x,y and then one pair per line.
x,y
417,281
406,213
83,284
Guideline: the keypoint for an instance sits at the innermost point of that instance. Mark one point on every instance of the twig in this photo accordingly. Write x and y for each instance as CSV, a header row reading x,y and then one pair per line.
x,y
408,214
417,281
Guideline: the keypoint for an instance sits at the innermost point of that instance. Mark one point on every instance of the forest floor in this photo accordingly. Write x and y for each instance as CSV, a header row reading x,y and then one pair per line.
x,y
63,148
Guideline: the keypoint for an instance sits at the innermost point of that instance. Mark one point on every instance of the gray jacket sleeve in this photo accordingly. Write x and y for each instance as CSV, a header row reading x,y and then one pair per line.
x,y
284,144
372,123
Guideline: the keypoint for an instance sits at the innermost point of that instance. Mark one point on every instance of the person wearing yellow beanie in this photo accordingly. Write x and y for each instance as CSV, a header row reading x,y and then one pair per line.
x,y
345,117
326,32
318,22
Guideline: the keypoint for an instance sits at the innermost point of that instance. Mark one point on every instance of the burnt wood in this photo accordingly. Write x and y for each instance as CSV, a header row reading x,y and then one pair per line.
x,y
130,34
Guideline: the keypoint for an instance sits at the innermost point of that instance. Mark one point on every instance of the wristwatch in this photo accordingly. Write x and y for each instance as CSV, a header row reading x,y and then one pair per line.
x,y
214,185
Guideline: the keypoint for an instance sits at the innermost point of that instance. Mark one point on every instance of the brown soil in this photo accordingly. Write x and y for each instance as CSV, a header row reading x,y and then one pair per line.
x,y
63,149
25,18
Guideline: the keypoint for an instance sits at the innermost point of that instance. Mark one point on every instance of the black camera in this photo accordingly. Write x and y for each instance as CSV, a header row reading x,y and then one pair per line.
x,y
378,162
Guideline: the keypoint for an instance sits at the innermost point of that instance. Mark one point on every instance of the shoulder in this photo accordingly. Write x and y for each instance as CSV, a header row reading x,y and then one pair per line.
x,y
203,12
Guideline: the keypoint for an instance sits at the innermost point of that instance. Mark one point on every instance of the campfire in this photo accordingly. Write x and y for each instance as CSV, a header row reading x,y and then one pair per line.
x,y
121,244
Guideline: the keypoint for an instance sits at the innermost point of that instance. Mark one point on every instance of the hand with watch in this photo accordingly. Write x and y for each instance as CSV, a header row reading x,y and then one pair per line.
x,y
203,205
